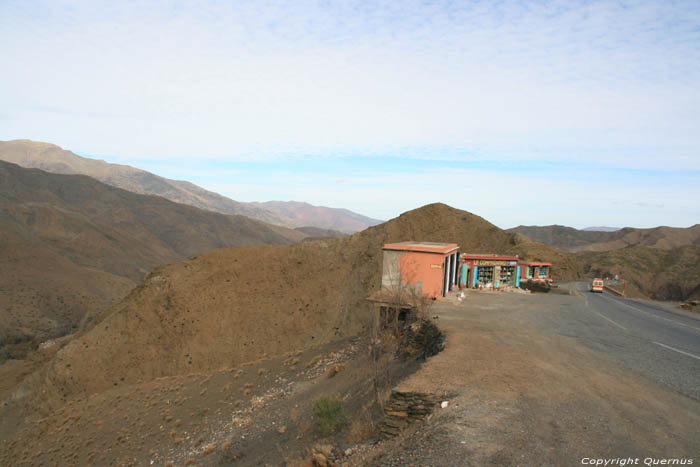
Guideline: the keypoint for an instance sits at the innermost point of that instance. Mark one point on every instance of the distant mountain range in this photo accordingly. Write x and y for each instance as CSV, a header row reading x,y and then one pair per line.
x,y
601,229
52,158
305,214
571,239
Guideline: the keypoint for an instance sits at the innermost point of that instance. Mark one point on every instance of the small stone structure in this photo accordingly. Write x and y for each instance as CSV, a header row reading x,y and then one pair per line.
x,y
404,409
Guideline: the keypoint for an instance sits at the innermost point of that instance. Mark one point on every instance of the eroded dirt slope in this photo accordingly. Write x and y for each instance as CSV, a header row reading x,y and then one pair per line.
x,y
75,245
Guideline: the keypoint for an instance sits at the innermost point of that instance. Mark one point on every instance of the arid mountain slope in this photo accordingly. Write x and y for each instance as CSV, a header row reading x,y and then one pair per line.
x,y
560,236
342,220
240,304
660,263
52,158
571,239
662,238
661,274
315,233
72,245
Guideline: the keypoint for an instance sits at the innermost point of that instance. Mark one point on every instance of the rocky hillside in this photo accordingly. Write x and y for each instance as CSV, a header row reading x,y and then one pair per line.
x,y
240,304
71,245
304,214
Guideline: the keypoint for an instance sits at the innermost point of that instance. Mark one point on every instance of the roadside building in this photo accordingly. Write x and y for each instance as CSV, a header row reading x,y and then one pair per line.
x,y
536,271
428,268
477,270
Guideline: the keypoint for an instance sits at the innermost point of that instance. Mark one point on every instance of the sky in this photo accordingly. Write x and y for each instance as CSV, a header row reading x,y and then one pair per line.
x,y
534,113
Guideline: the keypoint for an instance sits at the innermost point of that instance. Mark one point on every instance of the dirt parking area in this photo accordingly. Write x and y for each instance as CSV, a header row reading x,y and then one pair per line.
x,y
518,395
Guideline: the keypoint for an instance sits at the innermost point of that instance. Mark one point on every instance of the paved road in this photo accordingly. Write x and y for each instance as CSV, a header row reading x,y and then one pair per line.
x,y
646,337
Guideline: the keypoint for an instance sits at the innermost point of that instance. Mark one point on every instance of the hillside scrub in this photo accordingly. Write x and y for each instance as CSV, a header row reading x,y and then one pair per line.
x,y
329,413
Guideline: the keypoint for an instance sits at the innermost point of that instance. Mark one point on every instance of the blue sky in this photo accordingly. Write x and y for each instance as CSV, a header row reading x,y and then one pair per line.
x,y
577,113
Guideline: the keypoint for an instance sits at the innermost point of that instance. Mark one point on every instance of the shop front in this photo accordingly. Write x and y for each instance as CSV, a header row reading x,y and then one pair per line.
x,y
536,271
489,271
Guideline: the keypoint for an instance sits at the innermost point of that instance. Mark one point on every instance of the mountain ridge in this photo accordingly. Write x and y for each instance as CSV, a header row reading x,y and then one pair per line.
x,y
52,158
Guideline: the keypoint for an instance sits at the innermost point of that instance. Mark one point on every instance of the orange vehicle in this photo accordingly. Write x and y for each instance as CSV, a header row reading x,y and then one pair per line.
x,y
597,285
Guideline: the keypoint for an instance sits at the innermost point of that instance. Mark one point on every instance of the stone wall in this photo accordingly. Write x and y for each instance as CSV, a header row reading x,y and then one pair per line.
x,y
404,409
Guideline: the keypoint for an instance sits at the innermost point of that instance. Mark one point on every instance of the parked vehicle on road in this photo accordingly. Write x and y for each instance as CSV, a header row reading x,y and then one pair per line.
x,y
597,285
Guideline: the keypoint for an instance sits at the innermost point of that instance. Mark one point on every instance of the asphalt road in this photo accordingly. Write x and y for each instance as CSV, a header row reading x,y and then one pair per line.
x,y
643,336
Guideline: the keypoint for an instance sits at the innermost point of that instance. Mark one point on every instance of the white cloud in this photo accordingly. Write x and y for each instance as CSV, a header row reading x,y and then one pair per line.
x,y
259,79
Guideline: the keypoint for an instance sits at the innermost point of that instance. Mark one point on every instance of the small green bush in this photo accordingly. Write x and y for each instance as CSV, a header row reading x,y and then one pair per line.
x,y
329,412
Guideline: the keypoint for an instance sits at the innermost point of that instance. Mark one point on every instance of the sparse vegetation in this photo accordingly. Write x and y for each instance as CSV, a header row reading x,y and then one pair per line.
x,y
329,413
314,361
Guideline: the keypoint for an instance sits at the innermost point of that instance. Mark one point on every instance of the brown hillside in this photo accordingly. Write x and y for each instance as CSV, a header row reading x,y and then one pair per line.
x,y
560,236
663,238
241,304
662,274
75,245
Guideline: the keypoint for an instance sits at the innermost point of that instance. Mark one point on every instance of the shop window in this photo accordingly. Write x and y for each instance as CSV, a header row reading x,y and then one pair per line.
x,y
507,275
485,275
543,271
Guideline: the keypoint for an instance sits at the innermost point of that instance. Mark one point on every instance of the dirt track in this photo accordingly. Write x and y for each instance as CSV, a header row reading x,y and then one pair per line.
x,y
518,396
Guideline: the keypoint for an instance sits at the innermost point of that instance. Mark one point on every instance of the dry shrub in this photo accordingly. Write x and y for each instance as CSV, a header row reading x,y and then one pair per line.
x,y
304,428
335,369
294,414
329,412
299,463
314,361
226,445
190,461
208,449
262,371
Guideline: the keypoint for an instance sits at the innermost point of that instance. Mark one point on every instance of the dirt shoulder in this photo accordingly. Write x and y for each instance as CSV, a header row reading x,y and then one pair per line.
x,y
519,396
